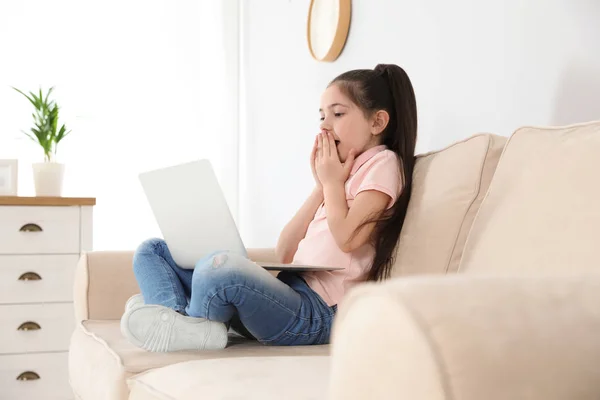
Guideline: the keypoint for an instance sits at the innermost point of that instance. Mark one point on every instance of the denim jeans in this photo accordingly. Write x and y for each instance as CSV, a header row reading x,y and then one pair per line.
x,y
229,288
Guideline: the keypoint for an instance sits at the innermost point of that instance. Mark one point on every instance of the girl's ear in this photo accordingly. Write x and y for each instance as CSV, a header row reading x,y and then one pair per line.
x,y
379,122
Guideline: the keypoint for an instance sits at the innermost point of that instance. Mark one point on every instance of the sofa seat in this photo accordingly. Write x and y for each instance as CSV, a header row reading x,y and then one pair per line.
x,y
101,359
247,378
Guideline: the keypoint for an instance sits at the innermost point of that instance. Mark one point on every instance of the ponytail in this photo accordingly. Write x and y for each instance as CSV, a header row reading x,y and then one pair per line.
x,y
387,87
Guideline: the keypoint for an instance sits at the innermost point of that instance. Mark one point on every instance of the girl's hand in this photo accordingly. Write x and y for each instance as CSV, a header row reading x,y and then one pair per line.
x,y
313,164
329,168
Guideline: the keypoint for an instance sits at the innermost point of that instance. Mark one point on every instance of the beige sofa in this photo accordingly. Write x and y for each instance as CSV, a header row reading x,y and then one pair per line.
x,y
494,296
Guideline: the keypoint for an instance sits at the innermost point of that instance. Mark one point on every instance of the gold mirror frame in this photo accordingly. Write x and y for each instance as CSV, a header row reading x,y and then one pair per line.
x,y
341,32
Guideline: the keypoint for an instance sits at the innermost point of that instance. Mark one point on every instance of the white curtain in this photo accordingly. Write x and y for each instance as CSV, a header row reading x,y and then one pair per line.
x,y
141,83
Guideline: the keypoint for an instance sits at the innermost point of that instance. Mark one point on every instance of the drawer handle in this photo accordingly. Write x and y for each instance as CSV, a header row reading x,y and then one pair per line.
x,y
30,276
31,228
28,376
29,326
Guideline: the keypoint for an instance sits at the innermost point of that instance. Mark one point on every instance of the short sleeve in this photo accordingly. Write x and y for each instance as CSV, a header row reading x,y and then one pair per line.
x,y
381,173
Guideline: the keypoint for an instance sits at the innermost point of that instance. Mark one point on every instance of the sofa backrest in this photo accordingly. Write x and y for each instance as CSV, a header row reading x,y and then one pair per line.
x,y
542,210
448,187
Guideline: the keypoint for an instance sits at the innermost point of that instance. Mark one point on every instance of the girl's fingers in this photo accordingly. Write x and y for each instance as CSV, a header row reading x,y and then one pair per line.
x,y
326,149
349,162
332,145
319,146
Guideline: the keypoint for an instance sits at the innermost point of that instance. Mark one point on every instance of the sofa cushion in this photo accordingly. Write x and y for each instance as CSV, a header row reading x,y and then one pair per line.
x,y
542,211
101,359
261,378
448,187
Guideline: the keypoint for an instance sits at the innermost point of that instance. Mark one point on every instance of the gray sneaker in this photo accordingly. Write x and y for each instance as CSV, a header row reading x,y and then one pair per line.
x,y
134,301
161,329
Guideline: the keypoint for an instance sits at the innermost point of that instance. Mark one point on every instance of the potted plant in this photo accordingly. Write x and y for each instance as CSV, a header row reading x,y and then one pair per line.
x,y
48,175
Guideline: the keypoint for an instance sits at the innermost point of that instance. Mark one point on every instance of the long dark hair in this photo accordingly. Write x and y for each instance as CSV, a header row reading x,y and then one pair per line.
x,y
387,87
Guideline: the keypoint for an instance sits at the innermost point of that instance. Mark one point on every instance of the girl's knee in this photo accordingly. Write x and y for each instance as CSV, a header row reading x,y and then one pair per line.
x,y
225,260
214,260
152,245
219,259
222,266
211,267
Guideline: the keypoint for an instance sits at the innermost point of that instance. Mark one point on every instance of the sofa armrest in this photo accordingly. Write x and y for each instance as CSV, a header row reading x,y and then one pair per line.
x,y
469,338
104,281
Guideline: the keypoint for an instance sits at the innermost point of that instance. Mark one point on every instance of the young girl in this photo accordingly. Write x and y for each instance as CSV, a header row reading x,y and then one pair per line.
x,y
362,162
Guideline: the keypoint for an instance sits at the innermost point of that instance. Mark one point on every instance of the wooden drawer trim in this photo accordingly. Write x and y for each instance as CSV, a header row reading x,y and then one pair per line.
x,y
47,201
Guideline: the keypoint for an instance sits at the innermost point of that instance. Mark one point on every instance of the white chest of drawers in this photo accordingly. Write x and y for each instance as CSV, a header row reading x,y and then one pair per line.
x,y
41,240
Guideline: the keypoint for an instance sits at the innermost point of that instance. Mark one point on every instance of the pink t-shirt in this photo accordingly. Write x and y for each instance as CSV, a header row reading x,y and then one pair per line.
x,y
375,169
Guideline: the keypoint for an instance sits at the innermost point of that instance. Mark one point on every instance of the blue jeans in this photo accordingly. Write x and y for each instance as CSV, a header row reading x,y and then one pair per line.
x,y
229,288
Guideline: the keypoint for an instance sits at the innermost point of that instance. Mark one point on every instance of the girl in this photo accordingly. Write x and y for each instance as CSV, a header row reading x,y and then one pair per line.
x,y
362,162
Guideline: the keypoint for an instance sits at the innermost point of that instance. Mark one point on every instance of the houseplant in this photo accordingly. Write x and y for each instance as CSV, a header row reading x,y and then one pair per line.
x,y
48,175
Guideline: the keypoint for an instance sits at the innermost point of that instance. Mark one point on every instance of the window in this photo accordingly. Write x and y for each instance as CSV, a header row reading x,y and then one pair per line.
x,y
141,83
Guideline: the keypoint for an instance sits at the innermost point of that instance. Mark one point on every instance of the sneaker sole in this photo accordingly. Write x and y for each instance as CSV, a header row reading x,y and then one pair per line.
x,y
152,327
134,301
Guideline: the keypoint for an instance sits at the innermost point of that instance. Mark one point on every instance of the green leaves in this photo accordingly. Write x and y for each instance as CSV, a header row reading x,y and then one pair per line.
x,y
45,120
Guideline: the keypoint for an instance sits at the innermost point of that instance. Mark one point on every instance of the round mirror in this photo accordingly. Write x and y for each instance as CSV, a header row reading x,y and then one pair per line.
x,y
328,25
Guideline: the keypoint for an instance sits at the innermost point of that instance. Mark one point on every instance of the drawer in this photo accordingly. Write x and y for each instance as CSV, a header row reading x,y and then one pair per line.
x,y
39,230
42,377
37,279
36,327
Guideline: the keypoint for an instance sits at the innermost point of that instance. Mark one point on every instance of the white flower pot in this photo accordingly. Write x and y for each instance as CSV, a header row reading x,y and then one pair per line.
x,y
48,179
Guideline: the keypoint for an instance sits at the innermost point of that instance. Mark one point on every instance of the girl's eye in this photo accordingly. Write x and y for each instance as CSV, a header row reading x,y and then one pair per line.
x,y
337,115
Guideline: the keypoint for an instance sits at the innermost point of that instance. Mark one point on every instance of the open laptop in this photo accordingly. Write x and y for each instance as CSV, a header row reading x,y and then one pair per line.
x,y
193,215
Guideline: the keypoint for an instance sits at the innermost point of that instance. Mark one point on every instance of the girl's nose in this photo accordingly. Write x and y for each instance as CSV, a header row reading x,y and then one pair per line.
x,y
324,127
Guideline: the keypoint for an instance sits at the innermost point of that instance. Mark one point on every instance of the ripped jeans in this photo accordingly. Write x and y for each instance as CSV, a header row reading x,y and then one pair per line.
x,y
229,288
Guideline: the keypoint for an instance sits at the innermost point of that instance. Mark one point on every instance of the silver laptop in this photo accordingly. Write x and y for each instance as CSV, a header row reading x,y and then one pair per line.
x,y
193,215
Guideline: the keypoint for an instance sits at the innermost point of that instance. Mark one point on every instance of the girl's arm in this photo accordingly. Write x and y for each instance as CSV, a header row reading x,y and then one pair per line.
x,y
343,222
296,229
368,204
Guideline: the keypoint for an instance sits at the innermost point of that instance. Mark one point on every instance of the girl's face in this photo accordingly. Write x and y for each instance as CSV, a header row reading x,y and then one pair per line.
x,y
347,122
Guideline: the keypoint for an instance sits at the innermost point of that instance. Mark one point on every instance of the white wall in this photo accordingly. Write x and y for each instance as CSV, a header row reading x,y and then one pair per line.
x,y
142,84
476,66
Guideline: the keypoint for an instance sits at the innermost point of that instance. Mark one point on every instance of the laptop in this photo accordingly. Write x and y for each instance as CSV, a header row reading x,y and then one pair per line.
x,y
193,216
